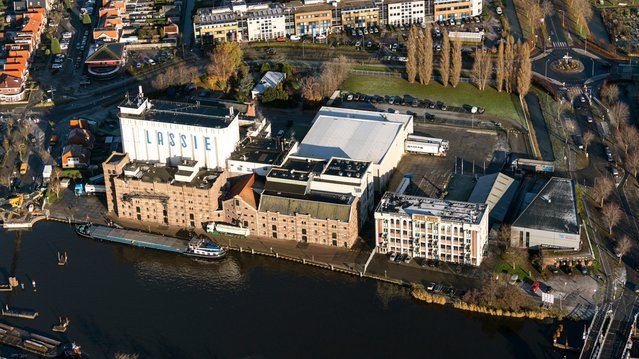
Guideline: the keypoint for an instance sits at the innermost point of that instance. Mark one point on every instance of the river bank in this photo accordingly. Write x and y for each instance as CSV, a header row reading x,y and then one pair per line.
x,y
159,305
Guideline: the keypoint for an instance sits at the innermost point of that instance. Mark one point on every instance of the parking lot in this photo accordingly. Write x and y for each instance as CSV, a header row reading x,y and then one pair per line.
x,y
148,58
431,175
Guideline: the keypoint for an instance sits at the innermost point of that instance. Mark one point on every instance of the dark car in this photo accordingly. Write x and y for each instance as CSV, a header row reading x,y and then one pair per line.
x,y
415,103
583,269
481,110
567,269
553,269
431,105
443,106
429,116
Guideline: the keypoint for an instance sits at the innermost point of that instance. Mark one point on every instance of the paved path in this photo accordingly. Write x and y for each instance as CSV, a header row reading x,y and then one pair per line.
x,y
539,124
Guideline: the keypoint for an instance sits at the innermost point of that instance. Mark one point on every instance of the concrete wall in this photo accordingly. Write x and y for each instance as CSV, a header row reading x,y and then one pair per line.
x,y
264,28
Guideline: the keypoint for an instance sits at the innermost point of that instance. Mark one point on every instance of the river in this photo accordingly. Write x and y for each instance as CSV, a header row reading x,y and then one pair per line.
x,y
162,305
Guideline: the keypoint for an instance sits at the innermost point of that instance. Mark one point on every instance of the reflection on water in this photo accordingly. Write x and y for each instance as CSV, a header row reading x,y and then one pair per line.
x,y
164,305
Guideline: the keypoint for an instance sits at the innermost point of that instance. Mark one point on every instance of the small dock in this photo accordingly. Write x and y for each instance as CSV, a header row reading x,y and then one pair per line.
x,y
62,325
133,238
29,342
5,288
18,313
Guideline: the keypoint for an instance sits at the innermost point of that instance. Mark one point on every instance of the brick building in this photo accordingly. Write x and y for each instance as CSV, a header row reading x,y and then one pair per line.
x,y
184,195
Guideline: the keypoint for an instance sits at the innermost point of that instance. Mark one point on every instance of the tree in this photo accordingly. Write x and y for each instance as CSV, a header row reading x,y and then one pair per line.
x,y
499,68
632,162
86,20
411,64
55,46
425,52
515,256
333,74
610,94
509,63
224,59
619,113
582,11
244,88
524,71
611,214
503,236
482,69
444,66
287,69
623,246
311,88
274,94
602,188
54,181
588,137
266,67
455,71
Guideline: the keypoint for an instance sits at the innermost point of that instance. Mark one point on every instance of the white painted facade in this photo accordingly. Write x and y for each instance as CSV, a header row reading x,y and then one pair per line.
x,y
265,24
407,12
147,139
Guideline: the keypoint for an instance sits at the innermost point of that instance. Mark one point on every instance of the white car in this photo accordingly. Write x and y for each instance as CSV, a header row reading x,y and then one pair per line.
x,y
295,38
499,11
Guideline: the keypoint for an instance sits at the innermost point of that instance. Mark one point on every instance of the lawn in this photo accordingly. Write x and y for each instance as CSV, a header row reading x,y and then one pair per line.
x,y
498,104
508,268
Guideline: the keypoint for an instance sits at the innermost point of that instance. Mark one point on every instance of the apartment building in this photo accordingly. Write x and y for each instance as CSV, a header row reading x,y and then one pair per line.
x,y
312,17
456,9
362,15
431,228
184,195
215,25
265,23
401,12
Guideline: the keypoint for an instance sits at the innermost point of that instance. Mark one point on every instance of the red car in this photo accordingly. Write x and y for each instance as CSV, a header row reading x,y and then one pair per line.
x,y
535,287
281,39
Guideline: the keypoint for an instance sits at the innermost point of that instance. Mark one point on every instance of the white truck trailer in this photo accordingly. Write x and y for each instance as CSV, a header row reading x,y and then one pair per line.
x,y
426,145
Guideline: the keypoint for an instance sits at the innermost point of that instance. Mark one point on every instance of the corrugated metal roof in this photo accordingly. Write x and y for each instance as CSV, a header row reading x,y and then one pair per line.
x,y
497,191
352,134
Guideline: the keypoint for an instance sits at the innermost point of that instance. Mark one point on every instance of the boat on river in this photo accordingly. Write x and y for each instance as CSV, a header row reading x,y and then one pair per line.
x,y
203,248
196,247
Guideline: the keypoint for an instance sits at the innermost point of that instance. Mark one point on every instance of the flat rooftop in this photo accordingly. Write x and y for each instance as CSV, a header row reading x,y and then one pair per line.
x,y
346,168
262,150
182,113
154,172
352,134
553,209
448,211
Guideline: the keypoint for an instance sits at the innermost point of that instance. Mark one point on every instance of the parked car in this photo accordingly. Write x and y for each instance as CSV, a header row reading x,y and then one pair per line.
x,y
430,287
608,154
583,269
614,171
553,269
443,106
499,11
567,269
392,256
407,259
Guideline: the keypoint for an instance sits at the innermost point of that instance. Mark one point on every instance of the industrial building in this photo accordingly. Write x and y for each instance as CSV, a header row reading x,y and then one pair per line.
x,y
550,220
431,228
358,135
184,195
496,190
170,132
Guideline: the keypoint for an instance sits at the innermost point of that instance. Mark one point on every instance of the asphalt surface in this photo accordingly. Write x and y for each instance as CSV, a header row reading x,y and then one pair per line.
x,y
511,14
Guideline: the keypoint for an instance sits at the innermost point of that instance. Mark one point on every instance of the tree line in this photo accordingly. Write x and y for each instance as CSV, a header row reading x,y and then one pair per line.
x,y
512,69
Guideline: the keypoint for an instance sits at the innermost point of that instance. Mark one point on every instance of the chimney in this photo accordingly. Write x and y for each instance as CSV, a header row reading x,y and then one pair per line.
x,y
140,93
231,111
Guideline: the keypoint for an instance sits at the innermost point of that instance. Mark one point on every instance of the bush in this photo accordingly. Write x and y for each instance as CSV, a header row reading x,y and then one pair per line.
x,y
86,19
266,67
47,52
55,46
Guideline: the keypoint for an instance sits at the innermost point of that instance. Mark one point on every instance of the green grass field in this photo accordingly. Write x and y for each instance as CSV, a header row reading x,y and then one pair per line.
x,y
498,104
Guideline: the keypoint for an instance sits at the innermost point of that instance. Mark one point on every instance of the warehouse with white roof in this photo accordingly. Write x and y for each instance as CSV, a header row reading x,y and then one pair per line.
x,y
368,136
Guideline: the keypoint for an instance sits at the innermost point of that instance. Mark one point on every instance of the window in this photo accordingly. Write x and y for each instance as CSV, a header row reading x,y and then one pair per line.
x,y
274,227
303,230
333,235
274,235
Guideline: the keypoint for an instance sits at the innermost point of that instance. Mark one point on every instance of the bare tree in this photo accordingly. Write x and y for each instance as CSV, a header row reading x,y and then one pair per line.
x,y
610,94
444,66
54,181
619,113
602,188
611,215
126,356
632,162
623,246
425,65
515,256
310,88
411,64
588,137
456,57
333,74
582,11
572,94
626,138
509,63
499,68
475,74
524,71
